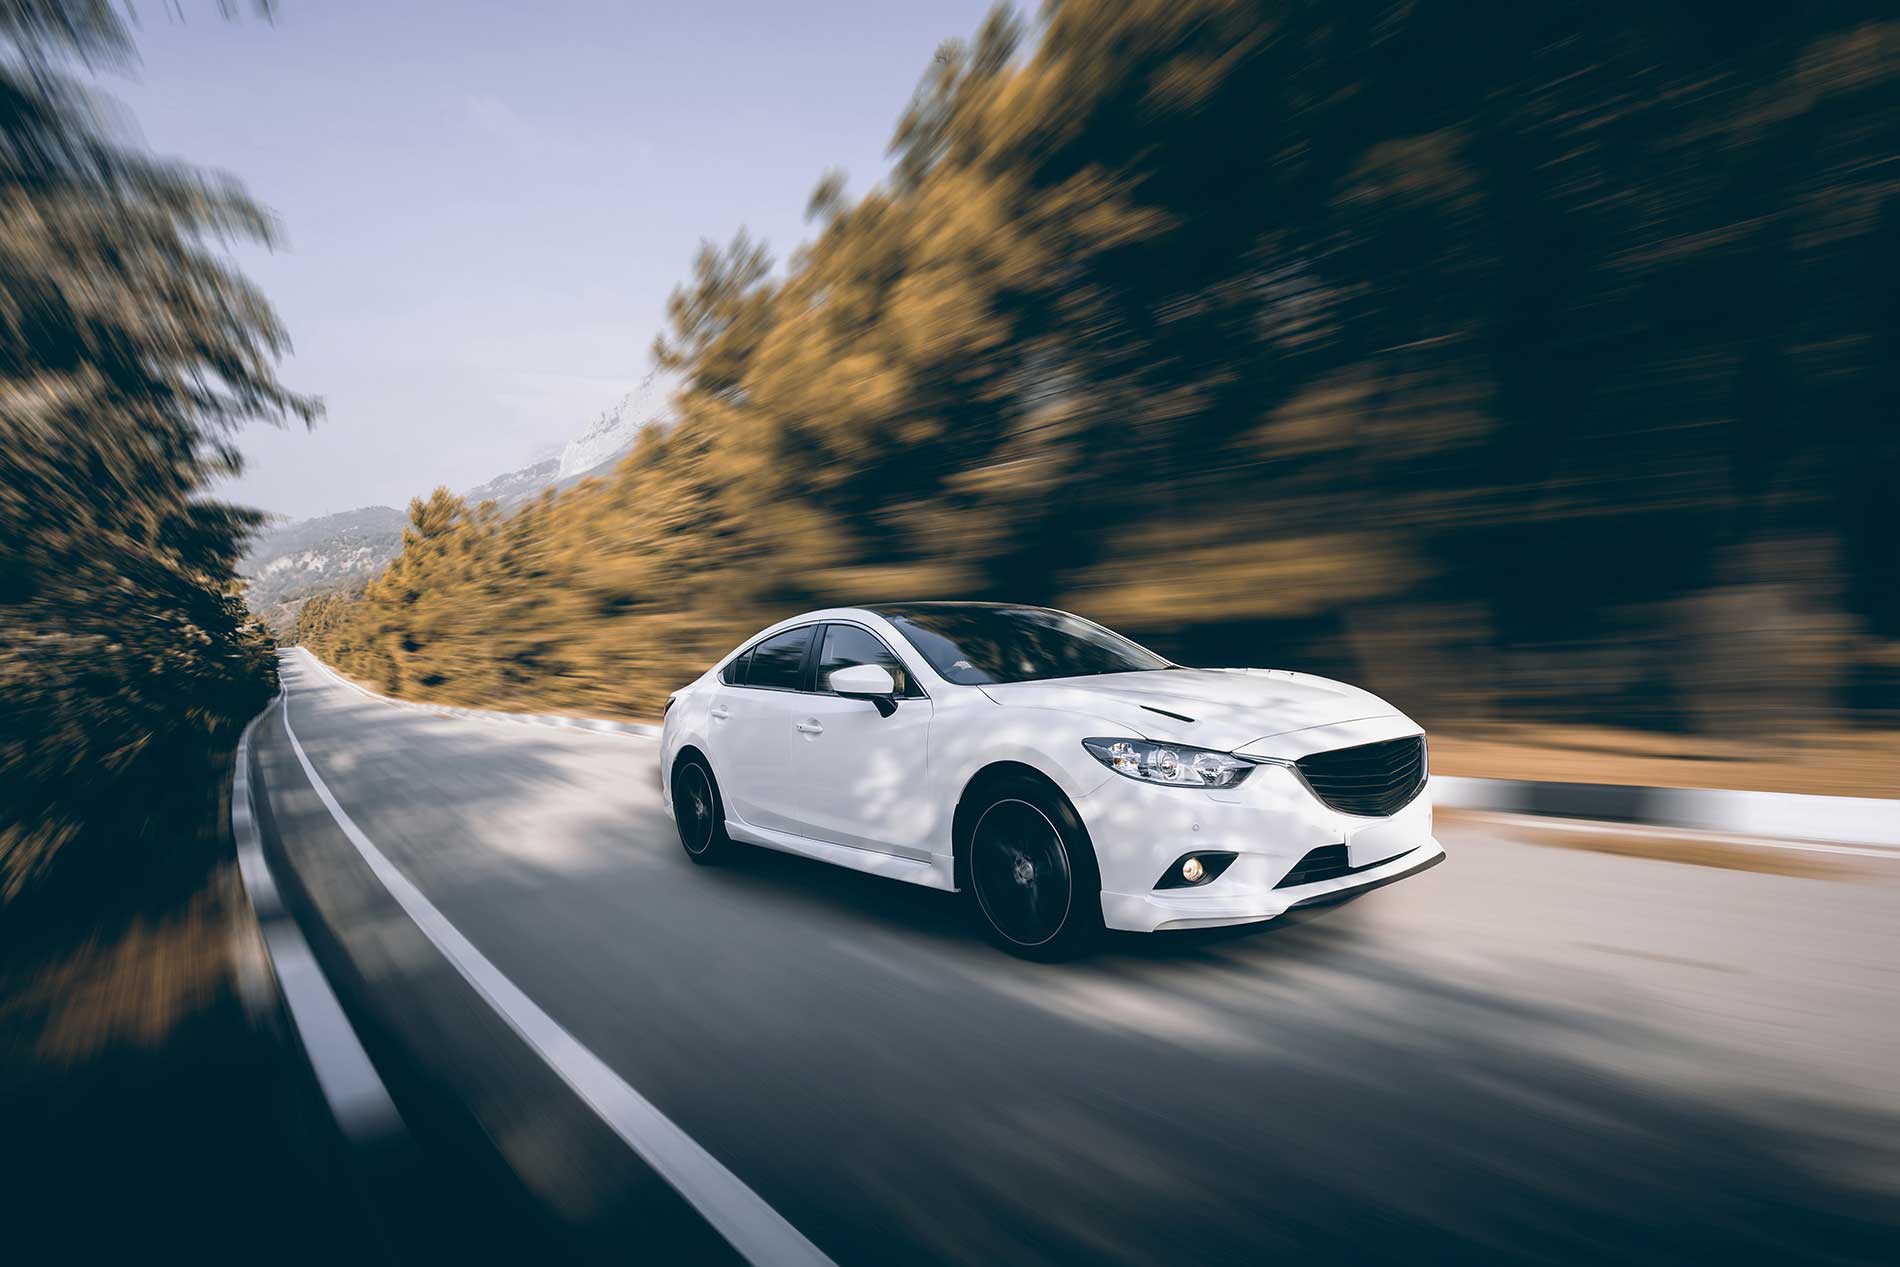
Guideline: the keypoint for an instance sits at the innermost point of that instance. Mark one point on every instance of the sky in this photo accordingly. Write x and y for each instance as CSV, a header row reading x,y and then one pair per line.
x,y
485,205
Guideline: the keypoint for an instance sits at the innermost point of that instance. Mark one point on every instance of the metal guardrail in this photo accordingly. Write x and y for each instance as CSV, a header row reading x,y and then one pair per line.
x,y
1846,820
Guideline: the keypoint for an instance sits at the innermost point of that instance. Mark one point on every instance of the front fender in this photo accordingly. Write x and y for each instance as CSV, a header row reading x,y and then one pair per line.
x,y
1045,740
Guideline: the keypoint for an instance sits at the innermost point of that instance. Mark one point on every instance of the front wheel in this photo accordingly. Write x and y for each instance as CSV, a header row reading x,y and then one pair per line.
x,y
699,813
1031,871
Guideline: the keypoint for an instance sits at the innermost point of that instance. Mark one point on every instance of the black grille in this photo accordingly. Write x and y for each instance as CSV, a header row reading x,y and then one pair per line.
x,y
1374,780
1328,862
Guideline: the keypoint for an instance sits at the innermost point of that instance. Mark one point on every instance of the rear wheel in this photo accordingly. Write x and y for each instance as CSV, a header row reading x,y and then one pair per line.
x,y
699,814
1031,871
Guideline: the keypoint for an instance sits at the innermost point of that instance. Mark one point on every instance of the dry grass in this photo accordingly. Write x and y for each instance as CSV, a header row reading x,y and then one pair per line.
x,y
1837,763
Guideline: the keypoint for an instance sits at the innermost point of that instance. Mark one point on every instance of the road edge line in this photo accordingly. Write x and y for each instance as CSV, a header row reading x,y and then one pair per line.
x,y
358,1101
759,1233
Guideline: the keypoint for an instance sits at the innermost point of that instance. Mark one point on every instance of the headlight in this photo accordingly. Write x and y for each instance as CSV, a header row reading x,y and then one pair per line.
x,y
1171,764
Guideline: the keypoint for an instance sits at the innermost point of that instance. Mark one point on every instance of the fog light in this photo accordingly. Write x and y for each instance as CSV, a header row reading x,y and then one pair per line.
x,y
1192,870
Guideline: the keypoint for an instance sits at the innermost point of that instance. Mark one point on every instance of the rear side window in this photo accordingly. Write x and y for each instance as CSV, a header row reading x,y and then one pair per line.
x,y
846,645
780,660
734,672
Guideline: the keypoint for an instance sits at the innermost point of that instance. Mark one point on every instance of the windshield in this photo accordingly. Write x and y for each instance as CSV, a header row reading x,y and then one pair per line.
x,y
972,644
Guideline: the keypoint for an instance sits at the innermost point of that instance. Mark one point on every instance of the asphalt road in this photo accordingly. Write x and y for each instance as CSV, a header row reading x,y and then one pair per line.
x,y
1530,1052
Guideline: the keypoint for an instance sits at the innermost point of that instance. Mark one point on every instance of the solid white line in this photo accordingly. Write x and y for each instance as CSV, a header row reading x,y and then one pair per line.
x,y
755,1229
357,1098
1590,827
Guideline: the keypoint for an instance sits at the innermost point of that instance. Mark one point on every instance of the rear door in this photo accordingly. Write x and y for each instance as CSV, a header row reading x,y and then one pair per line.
x,y
751,730
857,777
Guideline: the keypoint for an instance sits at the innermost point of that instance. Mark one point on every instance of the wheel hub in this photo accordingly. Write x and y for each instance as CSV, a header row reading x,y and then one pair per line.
x,y
693,800
1020,872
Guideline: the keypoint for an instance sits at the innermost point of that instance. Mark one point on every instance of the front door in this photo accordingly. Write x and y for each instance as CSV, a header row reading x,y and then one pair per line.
x,y
858,776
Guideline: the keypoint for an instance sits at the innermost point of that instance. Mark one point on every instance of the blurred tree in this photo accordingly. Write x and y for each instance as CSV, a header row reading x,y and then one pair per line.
x,y
129,353
827,197
1537,358
717,321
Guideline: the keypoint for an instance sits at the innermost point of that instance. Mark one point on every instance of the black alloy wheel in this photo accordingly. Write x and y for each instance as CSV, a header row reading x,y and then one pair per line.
x,y
1032,873
698,813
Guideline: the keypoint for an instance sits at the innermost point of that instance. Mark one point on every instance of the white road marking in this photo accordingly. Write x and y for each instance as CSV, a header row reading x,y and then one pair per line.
x,y
758,1232
357,1098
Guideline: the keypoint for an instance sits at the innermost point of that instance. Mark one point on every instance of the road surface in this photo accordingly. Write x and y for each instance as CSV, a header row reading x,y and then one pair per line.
x,y
1530,1052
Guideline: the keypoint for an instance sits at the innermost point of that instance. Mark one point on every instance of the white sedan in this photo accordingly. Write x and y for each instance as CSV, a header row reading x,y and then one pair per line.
x,y
1064,777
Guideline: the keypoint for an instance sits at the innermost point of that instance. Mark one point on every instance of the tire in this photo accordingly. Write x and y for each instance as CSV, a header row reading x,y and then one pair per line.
x,y
1030,871
699,813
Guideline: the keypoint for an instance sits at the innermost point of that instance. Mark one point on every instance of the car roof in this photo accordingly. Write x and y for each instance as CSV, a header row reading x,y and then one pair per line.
x,y
940,604
881,611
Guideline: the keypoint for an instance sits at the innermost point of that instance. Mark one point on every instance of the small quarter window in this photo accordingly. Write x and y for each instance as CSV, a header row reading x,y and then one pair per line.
x,y
779,661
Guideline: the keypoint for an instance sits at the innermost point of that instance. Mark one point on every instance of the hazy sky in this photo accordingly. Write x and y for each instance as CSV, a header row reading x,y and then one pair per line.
x,y
485,204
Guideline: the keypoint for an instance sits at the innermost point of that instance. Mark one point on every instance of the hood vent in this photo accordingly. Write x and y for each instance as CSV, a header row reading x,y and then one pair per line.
x,y
1165,713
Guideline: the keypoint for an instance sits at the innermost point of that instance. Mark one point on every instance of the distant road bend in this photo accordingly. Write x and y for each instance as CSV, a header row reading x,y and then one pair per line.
x,y
1530,1052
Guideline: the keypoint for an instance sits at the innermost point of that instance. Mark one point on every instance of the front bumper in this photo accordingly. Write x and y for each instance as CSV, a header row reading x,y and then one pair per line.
x,y
1269,822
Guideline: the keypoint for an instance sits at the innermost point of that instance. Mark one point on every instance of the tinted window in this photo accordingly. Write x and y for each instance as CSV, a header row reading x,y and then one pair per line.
x,y
972,644
734,672
778,660
846,645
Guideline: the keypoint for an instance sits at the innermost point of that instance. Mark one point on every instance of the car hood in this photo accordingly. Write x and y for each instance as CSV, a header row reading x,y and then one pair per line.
x,y
1223,708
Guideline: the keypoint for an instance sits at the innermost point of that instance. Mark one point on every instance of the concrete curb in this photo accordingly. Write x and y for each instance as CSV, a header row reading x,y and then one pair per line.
x,y
1855,820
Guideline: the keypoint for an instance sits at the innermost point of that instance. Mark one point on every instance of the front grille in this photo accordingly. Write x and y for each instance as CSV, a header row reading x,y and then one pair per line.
x,y
1374,780
1328,862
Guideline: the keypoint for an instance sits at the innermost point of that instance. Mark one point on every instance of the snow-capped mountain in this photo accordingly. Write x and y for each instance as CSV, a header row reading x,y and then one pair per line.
x,y
291,562
516,486
614,432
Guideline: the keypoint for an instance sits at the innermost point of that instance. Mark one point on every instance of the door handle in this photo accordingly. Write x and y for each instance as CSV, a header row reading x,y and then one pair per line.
x,y
720,713
810,728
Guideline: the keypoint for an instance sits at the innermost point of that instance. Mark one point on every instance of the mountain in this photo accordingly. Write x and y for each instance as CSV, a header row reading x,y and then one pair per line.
x,y
611,435
614,432
516,486
595,451
289,563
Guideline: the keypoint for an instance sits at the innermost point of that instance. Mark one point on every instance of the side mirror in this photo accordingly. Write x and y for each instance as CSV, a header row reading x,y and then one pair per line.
x,y
867,681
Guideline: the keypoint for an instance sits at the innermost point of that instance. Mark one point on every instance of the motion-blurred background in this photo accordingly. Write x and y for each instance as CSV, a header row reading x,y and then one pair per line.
x,y
1523,362
1536,366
